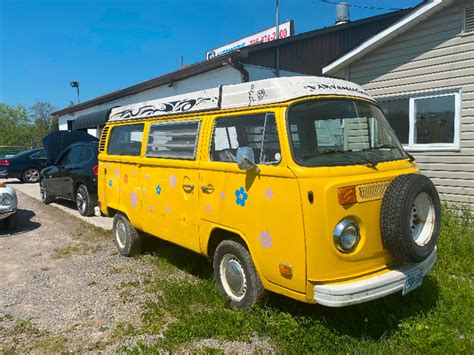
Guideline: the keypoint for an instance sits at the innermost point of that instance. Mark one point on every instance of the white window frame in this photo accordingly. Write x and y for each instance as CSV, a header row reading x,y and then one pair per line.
x,y
412,146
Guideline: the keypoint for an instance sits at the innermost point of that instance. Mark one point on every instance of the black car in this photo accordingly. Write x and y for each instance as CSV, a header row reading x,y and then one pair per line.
x,y
25,166
73,177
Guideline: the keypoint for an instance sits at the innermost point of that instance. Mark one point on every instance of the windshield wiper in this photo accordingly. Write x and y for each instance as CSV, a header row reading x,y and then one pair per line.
x,y
324,152
383,146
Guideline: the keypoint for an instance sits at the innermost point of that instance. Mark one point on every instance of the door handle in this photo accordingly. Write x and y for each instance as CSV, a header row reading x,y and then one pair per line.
x,y
188,187
207,188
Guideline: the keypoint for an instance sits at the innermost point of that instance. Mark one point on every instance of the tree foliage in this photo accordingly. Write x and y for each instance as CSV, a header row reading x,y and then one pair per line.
x,y
24,127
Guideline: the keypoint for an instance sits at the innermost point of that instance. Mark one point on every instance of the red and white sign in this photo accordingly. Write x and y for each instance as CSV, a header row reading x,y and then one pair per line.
x,y
286,29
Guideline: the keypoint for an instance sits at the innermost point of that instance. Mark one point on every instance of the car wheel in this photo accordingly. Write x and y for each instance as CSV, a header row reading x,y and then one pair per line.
x,y
410,218
46,198
83,201
12,222
126,237
30,176
235,275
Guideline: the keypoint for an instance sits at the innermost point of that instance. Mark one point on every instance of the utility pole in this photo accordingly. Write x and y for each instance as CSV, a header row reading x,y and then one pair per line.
x,y
277,59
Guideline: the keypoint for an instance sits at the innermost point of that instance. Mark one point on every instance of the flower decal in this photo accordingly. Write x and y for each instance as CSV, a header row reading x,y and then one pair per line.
x,y
110,183
125,179
208,208
173,180
268,193
147,177
222,195
134,199
265,239
168,209
134,173
158,189
150,209
241,196
117,172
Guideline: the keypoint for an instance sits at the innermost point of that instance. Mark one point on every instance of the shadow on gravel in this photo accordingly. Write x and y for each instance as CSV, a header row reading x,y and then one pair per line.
x,y
25,224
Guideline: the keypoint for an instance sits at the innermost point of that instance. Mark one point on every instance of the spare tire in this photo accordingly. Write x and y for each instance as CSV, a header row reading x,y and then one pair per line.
x,y
410,218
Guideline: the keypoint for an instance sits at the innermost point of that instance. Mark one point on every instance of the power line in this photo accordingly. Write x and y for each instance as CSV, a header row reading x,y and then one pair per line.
x,y
361,6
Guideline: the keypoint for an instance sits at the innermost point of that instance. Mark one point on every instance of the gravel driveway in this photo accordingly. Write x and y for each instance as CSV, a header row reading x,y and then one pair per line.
x,y
63,286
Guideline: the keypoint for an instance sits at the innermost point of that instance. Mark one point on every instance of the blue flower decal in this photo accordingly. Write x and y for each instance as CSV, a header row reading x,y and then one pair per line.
x,y
241,197
158,189
110,183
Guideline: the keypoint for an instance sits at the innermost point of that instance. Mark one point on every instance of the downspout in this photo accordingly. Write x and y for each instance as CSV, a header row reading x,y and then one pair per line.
x,y
240,68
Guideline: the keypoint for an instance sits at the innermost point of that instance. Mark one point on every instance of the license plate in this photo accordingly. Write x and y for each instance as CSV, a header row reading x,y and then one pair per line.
x,y
413,280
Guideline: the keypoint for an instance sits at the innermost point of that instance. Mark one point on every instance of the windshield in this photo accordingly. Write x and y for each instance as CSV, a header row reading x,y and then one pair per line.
x,y
334,132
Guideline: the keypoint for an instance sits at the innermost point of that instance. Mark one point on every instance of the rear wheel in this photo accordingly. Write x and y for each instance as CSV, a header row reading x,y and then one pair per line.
x,y
235,275
126,237
84,202
46,197
30,175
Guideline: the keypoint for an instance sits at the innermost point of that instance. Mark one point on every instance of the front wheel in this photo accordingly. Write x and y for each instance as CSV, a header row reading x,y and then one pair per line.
x,y
83,201
46,197
30,176
235,275
126,237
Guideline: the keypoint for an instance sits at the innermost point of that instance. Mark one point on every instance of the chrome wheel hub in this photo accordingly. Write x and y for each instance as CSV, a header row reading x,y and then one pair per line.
x,y
422,219
121,234
80,201
233,277
32,175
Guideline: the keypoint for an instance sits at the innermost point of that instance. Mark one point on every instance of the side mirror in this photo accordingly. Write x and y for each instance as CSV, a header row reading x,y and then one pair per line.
x,y
246,159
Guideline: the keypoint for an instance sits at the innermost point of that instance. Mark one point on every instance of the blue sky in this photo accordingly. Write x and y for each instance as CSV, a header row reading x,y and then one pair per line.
x,y
108,45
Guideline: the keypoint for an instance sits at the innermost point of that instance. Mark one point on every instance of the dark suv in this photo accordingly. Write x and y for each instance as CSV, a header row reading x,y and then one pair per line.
x,y
73,177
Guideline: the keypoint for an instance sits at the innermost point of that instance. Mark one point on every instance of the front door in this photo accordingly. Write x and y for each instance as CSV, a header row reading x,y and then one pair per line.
x,y
264,206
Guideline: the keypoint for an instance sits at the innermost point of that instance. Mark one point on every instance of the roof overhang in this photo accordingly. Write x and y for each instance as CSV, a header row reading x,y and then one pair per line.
x,y
91,120
413,18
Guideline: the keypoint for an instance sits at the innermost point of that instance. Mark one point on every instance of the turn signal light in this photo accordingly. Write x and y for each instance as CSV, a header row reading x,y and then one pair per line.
x,y
4,163
95,169
347,195
2,184
286,270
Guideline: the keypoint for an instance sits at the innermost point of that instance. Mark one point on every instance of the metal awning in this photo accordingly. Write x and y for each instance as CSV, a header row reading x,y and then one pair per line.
x,y
91,120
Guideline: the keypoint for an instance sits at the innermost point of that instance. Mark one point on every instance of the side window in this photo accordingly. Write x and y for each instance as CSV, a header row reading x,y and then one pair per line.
x,y
41,154
258,132
126,140
64,159
87,154
75,155
177,140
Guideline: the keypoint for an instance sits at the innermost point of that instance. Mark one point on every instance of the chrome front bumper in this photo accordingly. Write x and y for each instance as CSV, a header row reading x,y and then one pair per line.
x,y
346,294
6,213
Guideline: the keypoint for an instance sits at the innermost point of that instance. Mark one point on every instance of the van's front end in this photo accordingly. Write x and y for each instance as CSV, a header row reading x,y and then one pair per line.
x,y
371,220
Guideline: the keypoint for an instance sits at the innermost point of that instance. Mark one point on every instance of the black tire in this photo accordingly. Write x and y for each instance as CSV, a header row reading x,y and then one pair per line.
x,y
84,202
409,201
46,197
30,176
126,237
12,222
231,255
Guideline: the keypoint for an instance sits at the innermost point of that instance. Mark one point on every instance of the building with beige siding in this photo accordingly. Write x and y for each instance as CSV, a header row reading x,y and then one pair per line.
x,y
421,70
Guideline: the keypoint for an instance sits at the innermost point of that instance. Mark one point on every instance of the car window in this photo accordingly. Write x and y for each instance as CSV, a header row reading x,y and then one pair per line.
x,y
258,132
64,158
176,140
41,154
86,154
126,140
75,155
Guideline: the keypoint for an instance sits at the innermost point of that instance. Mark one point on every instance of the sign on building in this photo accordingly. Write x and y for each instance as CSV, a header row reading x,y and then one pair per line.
x,y
286,30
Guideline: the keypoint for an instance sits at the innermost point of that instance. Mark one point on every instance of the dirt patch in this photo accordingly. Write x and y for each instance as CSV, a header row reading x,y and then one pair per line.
x,y
63,286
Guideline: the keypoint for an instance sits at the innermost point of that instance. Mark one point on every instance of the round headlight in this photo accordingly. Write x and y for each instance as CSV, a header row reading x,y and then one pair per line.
x,y
6,200
346,235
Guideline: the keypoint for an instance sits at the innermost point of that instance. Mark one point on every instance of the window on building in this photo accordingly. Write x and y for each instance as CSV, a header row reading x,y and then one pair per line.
x,y
258,132
126,140
177,140
425,122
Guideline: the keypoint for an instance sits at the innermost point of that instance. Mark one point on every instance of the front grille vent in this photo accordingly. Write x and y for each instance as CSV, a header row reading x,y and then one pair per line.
x,y
103,139
371,192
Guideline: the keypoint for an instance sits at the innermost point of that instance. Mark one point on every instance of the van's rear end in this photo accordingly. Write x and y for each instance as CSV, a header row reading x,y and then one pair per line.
x,y
371,220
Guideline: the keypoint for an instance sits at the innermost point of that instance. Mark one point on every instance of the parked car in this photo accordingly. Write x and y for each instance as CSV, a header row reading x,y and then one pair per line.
x,y
73,177
24,166
8,206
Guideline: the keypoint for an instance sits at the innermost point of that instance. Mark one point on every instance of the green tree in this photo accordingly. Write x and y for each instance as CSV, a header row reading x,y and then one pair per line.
x,y
14,125
42,120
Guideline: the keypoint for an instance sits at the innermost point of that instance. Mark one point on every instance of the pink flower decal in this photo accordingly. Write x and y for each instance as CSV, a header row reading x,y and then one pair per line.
x,y
268,193
222,195
150,209
134,173
265,239
208,208
134,199
173,180
147,176
168,209
117,172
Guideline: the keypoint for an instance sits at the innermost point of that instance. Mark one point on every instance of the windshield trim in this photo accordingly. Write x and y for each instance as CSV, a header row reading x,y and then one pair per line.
x,y
360,162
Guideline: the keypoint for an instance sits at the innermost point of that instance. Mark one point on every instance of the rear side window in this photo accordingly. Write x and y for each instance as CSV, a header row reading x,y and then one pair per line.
x,y
41,154
176,140
126,140
87,154
258,132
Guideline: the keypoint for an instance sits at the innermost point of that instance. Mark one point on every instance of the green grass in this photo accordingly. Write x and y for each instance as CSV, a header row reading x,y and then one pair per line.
x,y
434,318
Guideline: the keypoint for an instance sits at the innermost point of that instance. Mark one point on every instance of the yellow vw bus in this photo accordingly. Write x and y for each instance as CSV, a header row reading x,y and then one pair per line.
x,y
292,185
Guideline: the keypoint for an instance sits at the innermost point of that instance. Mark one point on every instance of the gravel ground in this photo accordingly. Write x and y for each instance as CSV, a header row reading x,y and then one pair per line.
x,y
63,286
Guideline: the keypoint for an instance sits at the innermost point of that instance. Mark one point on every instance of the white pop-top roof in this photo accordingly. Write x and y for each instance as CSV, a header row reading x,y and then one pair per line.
x,y
255,93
